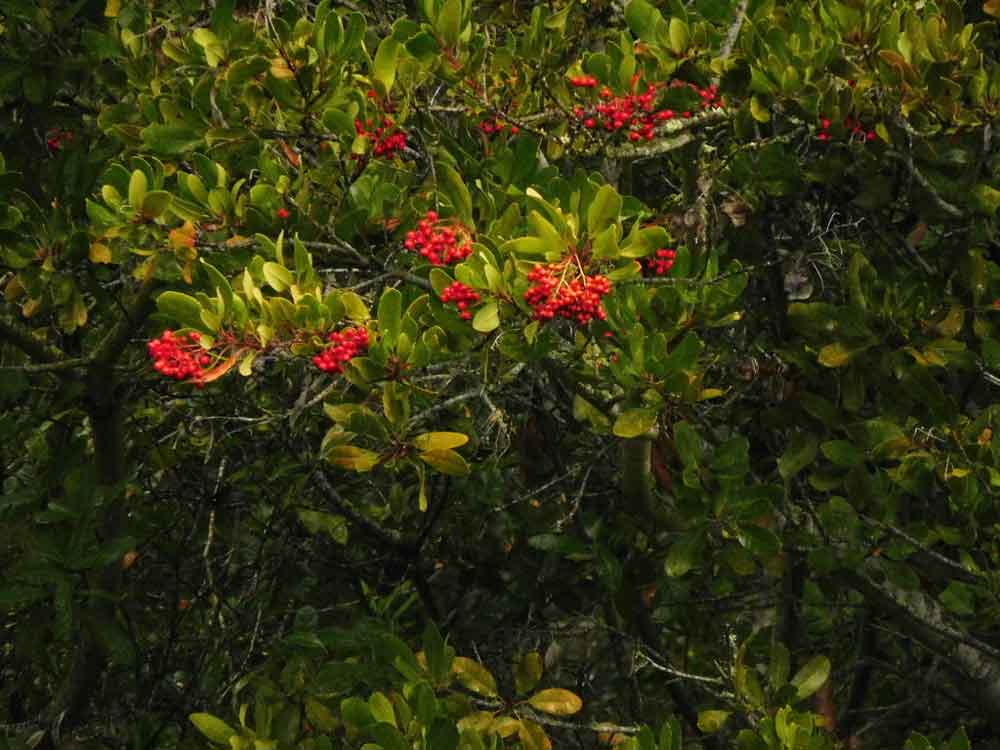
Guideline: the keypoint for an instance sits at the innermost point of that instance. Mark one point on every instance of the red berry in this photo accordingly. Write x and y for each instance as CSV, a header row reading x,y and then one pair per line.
x,y
283,213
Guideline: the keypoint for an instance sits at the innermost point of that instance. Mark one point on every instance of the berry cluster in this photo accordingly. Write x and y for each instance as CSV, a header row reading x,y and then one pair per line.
x,y
440,246
462,297
635,112
854,126
387,138
662,262
578,299
491,127
344,346
179,357
55,138
709,96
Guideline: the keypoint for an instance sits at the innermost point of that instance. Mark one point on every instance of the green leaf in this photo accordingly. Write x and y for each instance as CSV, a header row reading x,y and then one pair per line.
x,y
527,672
451,184
635,422
688,443
447,462
671,735
917,741
277,276
487,318
247,68
685,553
155,204
526,246
389,738
424,46
811,677
679,36
172,140
214,51
384,67
317,521
556,701
137,189
390,315
182,308
474,676
643,19
842,453
801,452
381,708
357,712
685,354
777,673
449,22
213,728
604,210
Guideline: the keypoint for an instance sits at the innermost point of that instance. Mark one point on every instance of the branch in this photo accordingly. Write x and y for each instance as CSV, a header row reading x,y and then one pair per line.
x,y
923,619
675,128
734,32
389,537
944,205
134,316
594,726
658,281
21,336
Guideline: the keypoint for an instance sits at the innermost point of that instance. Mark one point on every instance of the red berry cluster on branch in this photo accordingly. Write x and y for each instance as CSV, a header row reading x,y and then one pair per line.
x,y
854,126
387,139
709,96
634,112
439,245
344,346
55,138
577,299
662,262
493,127
179,357
462,296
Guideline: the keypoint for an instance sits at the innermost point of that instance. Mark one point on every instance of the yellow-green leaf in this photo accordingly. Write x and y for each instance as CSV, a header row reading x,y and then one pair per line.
x,y
556,701
811,676
527,672
435,441
532,736
634,422
474,676
99,253
834,355
712,721
447,462
487,318
352,457
759,111
213,728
